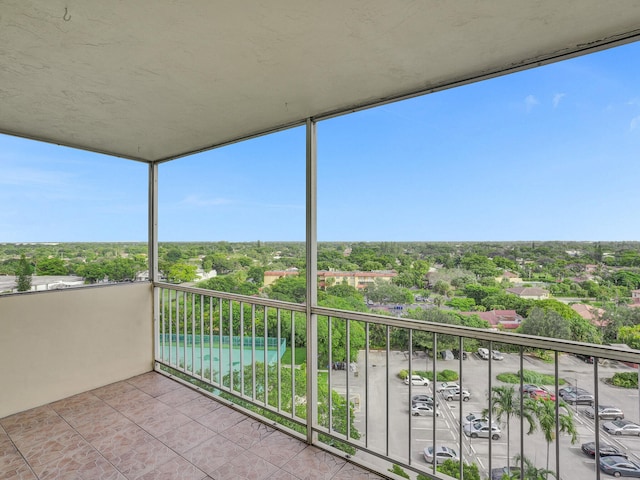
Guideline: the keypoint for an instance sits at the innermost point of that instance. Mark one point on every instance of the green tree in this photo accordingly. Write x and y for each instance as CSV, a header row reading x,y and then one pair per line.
x,y
544,412
530,471
452,468
23,274
181,272
505,403
546,324
52,266
630,335
291,288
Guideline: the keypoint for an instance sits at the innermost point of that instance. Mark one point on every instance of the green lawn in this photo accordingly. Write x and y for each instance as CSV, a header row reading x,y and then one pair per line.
x,y
301,356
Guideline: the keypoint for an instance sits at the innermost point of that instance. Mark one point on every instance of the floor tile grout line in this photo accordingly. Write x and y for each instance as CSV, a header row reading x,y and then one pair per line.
x,y
19,452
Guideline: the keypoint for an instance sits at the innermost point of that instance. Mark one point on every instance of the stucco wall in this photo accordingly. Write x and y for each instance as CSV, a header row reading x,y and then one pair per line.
x,y
57,344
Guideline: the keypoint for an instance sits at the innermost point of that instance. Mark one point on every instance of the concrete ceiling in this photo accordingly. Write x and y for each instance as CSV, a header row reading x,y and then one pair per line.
x,y
156,79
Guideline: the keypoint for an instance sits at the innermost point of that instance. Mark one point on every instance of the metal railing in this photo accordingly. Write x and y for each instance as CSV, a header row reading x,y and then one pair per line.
x,y
364,409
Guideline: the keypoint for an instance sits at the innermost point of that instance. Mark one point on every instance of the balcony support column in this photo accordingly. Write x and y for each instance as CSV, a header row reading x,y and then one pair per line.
x,y
311,239
152,249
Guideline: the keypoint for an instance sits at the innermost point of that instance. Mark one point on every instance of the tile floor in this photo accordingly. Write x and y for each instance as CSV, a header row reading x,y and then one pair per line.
x,y
150,427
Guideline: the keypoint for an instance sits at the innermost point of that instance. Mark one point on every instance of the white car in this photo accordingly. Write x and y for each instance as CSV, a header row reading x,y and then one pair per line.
x,y
483,353
417,380
423,409
448,386
496,355
475,417
481,429
442,453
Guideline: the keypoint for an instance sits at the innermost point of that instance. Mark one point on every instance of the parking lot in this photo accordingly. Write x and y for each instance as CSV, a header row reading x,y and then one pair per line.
x,y
405,436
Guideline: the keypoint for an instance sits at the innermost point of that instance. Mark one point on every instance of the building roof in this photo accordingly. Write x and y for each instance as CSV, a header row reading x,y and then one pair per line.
x,y
528,291
591,313
153,80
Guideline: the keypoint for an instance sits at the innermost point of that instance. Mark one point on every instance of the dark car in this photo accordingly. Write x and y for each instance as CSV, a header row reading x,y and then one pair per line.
x,y
584,358
427,399
579,398
606,450
499,473
527,388
619,466
572,389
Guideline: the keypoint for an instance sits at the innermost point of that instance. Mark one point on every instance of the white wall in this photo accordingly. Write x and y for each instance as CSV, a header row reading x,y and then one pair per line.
x,y
60,343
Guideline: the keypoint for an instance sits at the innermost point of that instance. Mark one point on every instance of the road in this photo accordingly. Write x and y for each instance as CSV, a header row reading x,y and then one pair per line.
x,y
389,435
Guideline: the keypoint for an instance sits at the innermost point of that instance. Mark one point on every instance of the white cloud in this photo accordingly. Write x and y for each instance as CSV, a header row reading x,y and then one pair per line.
x,y
530,102
557,98
635,123
197,201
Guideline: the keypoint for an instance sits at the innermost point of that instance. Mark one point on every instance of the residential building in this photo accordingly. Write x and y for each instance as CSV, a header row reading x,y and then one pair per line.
x,y
591,313
531,293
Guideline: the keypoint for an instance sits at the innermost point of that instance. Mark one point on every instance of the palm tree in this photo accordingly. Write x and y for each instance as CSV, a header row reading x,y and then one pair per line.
x,y
545,413
530,471
505,403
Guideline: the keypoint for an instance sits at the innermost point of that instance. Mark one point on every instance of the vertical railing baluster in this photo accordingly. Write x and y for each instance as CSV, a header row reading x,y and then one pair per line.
x,y
347,372
241,336
521,414
170,327
410,417
293,364
253,352
162,333
220,335
231,345
460,400
329,373
265,351
279,363
433,393
387,389
490,402
366,387
596,414
201,336
211,339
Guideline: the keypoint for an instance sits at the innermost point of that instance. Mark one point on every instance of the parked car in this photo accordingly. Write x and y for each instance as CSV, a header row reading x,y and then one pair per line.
x,y
456,354
579,398
447,386
424,410
499,473
496,355
571,389
620,466
475,417
428,399
483,353
605,412
417,380
606,450
528,387
621,427
442,453
456,394
585,358
482,430
541,395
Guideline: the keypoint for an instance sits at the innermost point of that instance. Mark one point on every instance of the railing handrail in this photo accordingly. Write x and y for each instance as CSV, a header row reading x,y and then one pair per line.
x,y
544,343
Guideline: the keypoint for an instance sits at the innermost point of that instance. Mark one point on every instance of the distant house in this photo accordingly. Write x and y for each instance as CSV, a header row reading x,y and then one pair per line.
x,y
635,298
590,313
359,280
510,276
530,293
326,278
506,319
270,276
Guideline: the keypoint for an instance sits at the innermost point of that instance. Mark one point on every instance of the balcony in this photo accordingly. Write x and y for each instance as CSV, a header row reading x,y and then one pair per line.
x,y
105,374
86,403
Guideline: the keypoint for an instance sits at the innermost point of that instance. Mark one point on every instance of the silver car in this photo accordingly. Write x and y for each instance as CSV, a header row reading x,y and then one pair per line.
x,y
423,409
442,453
605,412
621,427
481,429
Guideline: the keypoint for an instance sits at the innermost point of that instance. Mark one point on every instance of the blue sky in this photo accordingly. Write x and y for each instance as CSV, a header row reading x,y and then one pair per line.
x,y
547,154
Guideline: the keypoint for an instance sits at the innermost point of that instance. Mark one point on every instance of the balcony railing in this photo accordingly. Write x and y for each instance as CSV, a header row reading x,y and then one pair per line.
x,y
255,353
